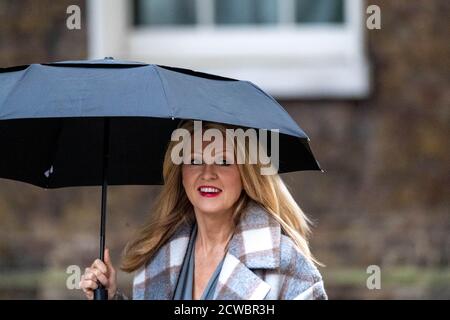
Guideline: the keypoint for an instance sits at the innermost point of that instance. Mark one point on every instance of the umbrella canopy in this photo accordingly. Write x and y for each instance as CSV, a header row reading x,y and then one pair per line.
x,y
108,122
52,120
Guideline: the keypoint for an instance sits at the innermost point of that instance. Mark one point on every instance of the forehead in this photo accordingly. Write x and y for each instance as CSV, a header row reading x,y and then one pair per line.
x,y
222,144
213,148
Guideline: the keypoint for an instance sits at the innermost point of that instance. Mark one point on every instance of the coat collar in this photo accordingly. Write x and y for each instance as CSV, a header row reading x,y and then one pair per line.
x,y
256,242
254,245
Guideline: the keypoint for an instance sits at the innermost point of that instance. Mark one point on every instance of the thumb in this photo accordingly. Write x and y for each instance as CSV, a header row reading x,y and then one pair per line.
x,y
108,261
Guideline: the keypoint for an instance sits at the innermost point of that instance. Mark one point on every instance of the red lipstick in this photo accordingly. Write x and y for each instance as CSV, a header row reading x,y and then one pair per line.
x,y
209,191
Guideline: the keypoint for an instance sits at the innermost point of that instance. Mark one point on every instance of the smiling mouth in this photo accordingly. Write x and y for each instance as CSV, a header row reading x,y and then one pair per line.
x,y
209,191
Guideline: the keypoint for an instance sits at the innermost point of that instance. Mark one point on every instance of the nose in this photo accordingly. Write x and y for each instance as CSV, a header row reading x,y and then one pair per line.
x,y
209,172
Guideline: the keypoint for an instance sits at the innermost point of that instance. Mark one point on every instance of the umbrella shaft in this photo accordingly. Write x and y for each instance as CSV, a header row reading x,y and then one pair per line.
x,y
104,186
103,221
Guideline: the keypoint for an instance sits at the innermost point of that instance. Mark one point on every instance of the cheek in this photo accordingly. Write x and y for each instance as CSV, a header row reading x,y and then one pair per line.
x,y
234,184
187,178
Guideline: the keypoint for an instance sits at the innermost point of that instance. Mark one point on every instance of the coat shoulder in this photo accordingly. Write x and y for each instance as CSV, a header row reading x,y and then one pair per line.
x,y
294,262
302,279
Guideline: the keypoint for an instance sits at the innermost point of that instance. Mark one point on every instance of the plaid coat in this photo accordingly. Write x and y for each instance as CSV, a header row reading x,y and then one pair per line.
x,y
261,263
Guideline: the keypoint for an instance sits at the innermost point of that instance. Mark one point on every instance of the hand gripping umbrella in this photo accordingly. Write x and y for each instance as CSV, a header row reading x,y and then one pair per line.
x,y
108,122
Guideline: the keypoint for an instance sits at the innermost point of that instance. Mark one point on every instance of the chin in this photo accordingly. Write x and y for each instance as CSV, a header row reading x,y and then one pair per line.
x,y
210,208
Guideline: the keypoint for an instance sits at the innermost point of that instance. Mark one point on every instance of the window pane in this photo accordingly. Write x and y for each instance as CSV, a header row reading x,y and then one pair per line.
x,y
319,11
164,12
245,11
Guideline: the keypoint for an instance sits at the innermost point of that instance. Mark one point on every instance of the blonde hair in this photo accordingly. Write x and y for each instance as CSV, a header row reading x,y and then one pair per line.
x,y
172,208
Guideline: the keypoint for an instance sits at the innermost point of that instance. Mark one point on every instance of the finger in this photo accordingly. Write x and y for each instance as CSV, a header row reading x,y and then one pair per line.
x,y
95,275
90,275
89,285
100,277
80,284
100,265
108,261
89,294
85,290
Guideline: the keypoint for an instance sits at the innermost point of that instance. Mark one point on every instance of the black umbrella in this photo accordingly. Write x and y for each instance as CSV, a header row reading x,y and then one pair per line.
x,y
108,122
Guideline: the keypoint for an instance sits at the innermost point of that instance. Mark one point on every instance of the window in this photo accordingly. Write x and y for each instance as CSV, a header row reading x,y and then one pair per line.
x,y
291,48
164,12
236,12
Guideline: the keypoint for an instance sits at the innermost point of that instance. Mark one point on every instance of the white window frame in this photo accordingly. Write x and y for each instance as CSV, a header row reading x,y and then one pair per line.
x,y
289,61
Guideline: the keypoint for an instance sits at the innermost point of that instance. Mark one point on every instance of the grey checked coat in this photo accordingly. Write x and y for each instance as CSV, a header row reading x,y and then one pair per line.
x,y
261,263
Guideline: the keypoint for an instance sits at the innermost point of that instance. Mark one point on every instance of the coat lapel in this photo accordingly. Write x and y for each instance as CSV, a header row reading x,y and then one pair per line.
x,y
254,246
158,279
237,282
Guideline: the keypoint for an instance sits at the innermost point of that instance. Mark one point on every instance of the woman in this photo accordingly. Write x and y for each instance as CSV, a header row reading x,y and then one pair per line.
x,y
218,231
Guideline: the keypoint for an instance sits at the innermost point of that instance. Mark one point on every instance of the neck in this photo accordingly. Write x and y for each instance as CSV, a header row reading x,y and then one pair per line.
x,y
213,231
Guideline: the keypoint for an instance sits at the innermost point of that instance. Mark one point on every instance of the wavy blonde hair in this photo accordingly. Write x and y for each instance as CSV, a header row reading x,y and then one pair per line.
x,y
172,208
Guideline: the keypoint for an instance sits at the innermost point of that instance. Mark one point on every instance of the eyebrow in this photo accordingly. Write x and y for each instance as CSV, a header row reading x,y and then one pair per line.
x,y
217,153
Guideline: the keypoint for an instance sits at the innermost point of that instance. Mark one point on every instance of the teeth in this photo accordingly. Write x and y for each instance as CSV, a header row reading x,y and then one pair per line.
x,y
214,190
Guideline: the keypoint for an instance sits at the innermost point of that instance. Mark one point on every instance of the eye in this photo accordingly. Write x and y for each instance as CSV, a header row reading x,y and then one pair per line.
x,y
223,162
196,161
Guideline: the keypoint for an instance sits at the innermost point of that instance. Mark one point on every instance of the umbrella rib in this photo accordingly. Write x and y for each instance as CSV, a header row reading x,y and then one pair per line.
x,y
172,114
278,106
16,85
